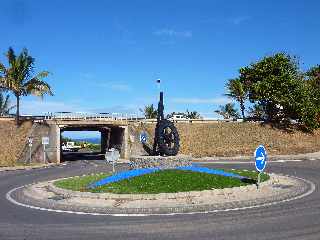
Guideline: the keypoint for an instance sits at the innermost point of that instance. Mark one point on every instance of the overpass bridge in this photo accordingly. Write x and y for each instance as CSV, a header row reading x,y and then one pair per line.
x,y
114,130
117,131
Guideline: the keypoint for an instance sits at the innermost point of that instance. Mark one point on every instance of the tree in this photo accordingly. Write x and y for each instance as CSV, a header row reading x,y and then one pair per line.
x,y
279,87
18,77
192,115
177,113
257,112
149,112
313,75
236,90
228,111
5,107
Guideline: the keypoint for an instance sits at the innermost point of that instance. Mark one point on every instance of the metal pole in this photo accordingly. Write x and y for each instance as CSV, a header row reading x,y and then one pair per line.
x,y
113,169
258,183
44,153
30,148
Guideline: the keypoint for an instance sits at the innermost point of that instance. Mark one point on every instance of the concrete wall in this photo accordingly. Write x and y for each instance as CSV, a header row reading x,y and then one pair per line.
x,y
40,130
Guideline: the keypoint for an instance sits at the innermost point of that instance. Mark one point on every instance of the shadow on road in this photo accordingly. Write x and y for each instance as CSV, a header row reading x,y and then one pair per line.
x,y
76,156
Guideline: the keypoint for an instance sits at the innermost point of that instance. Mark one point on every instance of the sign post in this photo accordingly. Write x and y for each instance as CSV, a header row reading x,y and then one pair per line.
x,y
30,140
261,157
45,141
143,137
112,156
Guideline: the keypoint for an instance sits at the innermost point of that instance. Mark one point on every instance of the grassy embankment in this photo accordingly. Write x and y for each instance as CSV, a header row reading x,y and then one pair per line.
x,y
166,181
239,139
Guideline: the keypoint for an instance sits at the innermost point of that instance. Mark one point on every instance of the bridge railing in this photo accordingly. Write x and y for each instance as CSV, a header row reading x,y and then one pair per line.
x,y
92,116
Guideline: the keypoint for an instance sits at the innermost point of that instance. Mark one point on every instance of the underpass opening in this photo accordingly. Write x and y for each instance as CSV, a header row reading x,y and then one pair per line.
x,y
90,142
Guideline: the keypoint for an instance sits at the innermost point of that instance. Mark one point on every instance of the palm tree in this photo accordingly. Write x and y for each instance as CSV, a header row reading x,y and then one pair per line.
x,y
149,112
236,90
227,111
4,105
18,77
192,115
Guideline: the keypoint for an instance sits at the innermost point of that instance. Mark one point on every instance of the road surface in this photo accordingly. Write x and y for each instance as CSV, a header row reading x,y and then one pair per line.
x,y
299,219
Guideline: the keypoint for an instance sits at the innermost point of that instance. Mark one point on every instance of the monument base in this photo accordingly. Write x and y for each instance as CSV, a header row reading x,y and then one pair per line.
x,y
167,162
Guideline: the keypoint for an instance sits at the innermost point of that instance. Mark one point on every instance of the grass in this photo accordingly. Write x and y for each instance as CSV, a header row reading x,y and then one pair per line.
x,y
166,181
236,139
80,183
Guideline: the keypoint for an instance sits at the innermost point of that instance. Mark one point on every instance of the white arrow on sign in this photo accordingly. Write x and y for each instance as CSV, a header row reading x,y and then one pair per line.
x,y
262,158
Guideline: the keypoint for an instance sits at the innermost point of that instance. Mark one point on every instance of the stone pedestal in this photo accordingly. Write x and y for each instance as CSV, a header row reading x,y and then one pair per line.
x,y
160,162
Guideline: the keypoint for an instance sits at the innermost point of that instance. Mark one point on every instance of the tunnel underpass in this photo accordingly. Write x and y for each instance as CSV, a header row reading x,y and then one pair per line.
x,y
111,136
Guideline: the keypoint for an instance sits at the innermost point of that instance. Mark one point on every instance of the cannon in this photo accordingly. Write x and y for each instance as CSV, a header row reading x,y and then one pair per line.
x,y
166,137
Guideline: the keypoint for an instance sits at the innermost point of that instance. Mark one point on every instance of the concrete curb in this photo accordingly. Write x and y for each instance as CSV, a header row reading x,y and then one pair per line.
x,y
160,196
277,190
302,156
3,169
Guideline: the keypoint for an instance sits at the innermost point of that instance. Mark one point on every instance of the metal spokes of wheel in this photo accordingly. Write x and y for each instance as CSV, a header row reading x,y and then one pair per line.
x,y
168,138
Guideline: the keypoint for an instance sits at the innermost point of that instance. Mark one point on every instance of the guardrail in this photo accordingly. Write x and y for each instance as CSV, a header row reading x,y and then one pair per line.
x,y
92,116
194,120
64,116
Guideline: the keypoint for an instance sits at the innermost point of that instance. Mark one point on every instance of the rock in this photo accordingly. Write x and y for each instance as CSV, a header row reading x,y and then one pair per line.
x,y
168,162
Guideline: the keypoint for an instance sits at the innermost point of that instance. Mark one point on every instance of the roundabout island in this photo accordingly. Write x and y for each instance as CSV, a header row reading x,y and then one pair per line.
x,y
181,190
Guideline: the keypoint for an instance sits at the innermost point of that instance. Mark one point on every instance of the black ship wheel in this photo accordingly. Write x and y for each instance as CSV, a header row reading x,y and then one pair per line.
x,y
168,138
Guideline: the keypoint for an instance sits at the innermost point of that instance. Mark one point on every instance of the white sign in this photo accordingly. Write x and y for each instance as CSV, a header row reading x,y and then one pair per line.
x,y
45,140
112,155
30,140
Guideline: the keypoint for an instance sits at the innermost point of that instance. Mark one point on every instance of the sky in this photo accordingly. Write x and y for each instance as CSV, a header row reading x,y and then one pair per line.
x,y
105,56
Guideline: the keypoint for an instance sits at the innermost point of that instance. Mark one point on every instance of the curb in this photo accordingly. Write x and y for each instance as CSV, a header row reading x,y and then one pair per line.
x,y
6,169
304,156
18,197
159,196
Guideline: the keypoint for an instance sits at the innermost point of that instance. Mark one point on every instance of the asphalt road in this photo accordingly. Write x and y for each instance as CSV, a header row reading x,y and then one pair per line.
x,y
299,219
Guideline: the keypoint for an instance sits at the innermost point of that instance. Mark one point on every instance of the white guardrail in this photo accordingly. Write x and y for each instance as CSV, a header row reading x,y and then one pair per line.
x,y
91,116
111,117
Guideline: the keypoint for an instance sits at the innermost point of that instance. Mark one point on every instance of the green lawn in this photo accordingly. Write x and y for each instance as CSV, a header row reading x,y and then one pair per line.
x,y
80,183
166,181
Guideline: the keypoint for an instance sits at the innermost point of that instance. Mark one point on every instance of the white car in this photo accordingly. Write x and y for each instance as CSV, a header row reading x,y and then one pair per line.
x,y
176,117
70,147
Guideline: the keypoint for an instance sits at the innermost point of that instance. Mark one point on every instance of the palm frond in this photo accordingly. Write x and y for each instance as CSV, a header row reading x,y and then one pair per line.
x,y
4,105
2,69
42,74
11,56
37,87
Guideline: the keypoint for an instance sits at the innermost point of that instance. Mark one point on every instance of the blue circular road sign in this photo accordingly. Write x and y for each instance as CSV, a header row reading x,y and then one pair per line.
x,y
143,137
260,156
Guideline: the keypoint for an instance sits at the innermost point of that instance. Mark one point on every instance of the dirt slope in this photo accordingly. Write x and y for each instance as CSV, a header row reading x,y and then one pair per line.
x,y
236,139
12,141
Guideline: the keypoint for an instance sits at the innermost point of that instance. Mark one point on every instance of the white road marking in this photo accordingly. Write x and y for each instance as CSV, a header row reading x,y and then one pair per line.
x,y
9,198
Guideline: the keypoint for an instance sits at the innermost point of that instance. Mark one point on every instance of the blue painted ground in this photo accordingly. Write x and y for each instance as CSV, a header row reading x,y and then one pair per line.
x,y
210,171
138,172
123,175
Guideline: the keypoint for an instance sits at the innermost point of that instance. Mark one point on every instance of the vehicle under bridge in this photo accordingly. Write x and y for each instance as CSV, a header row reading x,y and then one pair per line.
x,y
114,134
111,136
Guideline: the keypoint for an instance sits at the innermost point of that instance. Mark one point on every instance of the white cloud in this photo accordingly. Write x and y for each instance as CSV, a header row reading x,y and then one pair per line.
x,y
239,20
87,75
218,100
173,33
43,106
120,87
39,107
